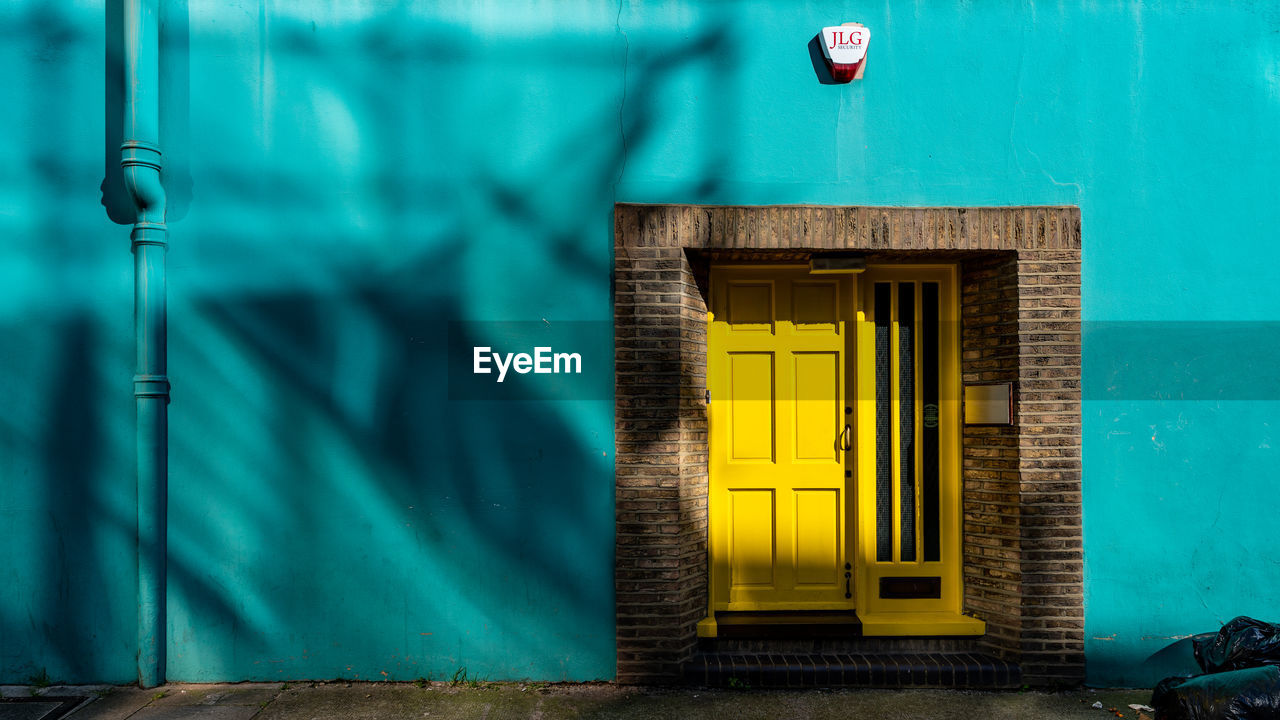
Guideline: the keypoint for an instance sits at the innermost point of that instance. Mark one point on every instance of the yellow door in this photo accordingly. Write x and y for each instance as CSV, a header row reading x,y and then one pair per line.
x,y
908,440
776,346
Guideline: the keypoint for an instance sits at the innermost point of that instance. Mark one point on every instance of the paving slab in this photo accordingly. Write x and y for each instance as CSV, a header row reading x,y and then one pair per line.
x,y
196,712
86,690
178,695
378,701
109,703
16,690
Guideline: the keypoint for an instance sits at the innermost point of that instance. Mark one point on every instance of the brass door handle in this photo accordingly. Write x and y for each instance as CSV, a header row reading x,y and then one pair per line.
x,y
846,443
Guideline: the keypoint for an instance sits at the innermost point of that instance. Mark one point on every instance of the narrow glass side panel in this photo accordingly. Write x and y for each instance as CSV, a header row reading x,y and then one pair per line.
x,y
906,419
884,425
930,501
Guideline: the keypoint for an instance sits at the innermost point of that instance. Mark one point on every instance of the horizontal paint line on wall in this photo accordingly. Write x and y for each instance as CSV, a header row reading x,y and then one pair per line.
x,y
1180,361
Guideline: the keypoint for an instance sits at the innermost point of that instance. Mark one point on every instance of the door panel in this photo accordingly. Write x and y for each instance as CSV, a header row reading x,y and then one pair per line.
x,y
778,503
751,550
817,539
749,307
814,306
816,406
908,439
751,416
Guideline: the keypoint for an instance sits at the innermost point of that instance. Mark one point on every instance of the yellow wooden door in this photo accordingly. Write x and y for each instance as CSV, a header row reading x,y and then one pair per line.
x,y
908,579
778,418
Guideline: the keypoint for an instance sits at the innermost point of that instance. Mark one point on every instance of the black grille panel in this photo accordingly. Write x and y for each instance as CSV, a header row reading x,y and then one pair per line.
x,y
906,420
929,502
884,427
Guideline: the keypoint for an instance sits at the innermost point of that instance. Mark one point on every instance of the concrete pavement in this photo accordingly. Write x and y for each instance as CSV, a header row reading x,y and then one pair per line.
x,y
446,701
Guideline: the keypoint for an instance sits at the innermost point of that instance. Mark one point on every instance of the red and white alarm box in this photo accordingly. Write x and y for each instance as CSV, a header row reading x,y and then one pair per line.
x,y
845,48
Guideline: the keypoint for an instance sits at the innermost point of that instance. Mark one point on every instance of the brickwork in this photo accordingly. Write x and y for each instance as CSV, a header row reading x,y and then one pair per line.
x,y
1020,296
1049,465
660,500
989,455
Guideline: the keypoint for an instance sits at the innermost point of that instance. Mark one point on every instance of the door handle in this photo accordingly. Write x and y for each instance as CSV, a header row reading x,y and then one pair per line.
x,y
845,441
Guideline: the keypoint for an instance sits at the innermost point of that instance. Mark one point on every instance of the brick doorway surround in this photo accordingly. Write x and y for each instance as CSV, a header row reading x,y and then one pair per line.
x,y
1019,270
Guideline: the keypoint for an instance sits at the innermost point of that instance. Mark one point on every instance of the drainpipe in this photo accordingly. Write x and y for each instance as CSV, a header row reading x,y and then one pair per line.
x,y
140,160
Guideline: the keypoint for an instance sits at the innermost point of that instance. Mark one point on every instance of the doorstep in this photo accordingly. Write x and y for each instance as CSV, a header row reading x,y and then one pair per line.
x,y
868,670
840,624
915,624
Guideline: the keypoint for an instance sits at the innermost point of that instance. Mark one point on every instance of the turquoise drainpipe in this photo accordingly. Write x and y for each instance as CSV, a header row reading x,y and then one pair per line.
x,y
140,160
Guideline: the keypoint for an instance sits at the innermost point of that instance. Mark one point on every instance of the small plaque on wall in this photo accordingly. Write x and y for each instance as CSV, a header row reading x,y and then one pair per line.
x,y
990,404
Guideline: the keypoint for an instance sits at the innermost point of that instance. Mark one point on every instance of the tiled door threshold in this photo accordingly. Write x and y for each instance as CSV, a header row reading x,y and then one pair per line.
x,y
905,670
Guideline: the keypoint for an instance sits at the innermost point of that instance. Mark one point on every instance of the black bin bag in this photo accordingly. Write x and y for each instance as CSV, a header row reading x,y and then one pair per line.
x,y
1249,694
1242,680
1241,643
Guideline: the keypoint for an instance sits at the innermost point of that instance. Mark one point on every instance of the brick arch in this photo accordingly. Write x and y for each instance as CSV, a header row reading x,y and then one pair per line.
x,y
1020,312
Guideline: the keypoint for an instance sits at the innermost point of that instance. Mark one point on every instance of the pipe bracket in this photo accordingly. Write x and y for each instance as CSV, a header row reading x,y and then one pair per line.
x,y
149,233
139,152
151,386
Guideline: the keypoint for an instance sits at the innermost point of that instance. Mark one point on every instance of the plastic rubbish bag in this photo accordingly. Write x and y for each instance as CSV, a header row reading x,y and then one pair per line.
x,y
1242,680
1249,694
1241,643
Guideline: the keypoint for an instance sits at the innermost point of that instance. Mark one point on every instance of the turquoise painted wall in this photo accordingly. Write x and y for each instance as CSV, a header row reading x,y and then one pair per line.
x,y
347,179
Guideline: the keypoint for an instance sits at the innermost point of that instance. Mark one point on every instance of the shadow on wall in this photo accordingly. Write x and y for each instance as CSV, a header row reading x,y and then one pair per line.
x,y
333,513
69,478
368,524
66,562
371,514
818,58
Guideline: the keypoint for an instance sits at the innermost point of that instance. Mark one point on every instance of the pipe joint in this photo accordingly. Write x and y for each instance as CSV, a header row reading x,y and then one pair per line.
x,y
150,233
141,162
151,386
